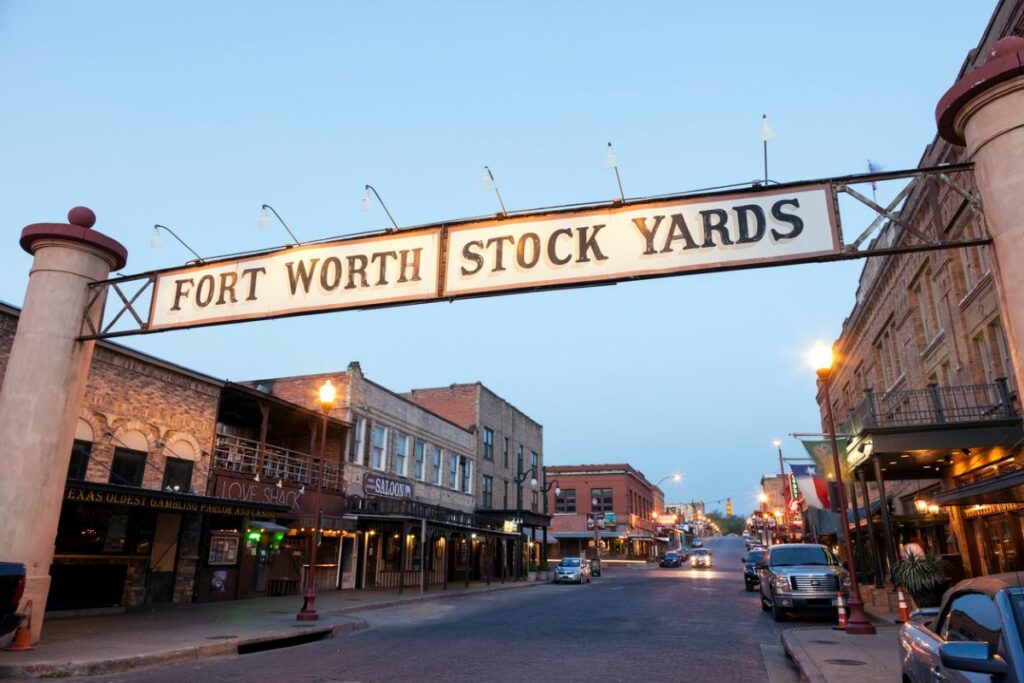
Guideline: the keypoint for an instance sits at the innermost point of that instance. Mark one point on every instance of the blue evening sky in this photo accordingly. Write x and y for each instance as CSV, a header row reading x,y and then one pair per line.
x,y
193,114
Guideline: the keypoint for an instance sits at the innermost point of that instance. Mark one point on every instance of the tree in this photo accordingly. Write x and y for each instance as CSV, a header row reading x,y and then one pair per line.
x,y
729,524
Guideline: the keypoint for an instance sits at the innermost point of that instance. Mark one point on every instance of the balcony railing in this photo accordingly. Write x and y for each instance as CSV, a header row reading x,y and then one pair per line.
x,y
933,405
235,454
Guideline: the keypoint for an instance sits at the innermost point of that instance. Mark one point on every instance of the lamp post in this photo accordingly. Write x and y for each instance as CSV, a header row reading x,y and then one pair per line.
x,y
858,623
764,519
545,487
308,611
519,479
785,486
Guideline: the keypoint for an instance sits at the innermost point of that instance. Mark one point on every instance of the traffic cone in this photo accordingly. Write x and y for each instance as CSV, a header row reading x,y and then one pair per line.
x,y
841,609
22,639
904,612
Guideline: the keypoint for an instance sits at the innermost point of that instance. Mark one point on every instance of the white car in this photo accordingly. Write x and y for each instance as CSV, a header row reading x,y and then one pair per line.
x,y
701,557
572,570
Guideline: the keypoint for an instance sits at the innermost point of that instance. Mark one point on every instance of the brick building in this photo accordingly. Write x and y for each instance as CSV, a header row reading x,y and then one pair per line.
x,y
509,448
924,382
629,503
411,477
132,526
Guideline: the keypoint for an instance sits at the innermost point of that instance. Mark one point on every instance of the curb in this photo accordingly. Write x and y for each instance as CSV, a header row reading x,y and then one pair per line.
x,y
809,673
440,595
194,653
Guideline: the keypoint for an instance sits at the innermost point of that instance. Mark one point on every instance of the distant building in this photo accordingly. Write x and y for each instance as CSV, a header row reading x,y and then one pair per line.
x,y
615,495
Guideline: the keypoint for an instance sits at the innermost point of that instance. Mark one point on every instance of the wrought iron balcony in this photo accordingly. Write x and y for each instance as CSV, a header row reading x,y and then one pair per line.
x,y
932,406
235,454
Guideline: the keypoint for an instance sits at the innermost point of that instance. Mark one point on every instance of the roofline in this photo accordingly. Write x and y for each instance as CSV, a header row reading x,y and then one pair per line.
x,y
139,355
483,386
256,393
368,381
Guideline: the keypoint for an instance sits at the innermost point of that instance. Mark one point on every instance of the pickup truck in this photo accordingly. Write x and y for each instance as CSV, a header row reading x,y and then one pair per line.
x,y
12,585
800,577
975,635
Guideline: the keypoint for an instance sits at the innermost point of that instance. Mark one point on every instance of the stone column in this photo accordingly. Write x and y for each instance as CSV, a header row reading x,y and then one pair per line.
x,y
984,111
43,387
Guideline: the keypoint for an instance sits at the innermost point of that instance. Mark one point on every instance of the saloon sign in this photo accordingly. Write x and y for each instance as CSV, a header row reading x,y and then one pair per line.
x,y
383,487
540,250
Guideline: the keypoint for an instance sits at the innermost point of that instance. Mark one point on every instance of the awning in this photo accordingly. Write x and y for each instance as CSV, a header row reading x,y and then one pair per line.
x,y
1005,488
538,536
663,539
264,525
561,535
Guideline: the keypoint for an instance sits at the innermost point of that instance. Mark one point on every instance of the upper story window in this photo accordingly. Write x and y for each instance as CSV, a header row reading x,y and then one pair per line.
x,y
507,441
488,492
535,463
888,354
534,503
993,352
128,467
177,474
467,474
79,464
926,314
488,443
601,500
973,260
420,450
401,453
453,471
435,466
566,501
358,442
377,451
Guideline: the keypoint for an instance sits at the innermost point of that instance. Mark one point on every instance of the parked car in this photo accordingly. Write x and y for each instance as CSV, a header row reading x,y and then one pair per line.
x,y
572,570
976,634
683,553
670,559
697,542
700,557
750,563
12,586
800,577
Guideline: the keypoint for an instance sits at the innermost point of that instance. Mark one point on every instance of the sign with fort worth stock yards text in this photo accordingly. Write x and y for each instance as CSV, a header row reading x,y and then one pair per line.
x,y
535,250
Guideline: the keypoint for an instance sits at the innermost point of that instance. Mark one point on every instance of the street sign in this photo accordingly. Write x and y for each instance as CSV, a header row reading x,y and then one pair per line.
x,y
544,249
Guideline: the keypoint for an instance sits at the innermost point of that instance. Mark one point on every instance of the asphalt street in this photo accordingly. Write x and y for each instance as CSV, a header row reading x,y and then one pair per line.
x,y
629,625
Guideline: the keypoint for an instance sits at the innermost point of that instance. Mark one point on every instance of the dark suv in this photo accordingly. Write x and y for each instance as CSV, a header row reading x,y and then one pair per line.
x,y
800,577
750,569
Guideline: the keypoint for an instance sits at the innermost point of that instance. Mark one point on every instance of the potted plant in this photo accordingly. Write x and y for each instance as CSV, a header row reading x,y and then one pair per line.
x,y
531,571
545,571
924,577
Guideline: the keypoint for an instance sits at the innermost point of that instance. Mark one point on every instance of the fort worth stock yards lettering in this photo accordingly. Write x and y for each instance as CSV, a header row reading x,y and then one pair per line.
x,y
540,250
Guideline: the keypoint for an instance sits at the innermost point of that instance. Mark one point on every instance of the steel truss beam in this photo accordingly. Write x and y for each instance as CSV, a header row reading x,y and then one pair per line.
x,y
919,180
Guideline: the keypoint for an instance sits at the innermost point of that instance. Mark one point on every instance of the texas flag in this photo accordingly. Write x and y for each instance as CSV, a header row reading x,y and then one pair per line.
x,y
813,488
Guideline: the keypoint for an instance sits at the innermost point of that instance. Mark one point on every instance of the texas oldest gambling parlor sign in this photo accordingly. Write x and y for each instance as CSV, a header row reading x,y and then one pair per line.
x,y
530,251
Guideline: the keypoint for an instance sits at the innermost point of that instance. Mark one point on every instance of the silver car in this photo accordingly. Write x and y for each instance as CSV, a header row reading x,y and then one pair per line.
x,y
572,570
975,636
800,577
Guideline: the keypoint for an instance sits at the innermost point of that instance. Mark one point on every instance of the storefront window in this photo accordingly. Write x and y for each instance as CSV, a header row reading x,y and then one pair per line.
x,y
79,460
102,529
177,475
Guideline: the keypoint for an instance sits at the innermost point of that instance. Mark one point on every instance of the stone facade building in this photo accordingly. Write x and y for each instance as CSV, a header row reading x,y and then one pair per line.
x,y
924,382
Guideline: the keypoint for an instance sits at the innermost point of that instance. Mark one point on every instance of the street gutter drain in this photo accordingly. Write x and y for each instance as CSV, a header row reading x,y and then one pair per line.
x,y
845,662
221,637
289,641
824,642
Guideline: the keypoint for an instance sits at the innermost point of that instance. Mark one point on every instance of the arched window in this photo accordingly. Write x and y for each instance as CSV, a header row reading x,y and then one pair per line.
x,y
81,450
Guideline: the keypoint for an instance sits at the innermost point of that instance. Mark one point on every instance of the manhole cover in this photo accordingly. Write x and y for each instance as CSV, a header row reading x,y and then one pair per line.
x,y
846,662
824,642
220,637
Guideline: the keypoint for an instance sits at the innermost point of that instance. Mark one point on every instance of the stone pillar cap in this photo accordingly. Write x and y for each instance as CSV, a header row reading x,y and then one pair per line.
x,y
1005,61
78,228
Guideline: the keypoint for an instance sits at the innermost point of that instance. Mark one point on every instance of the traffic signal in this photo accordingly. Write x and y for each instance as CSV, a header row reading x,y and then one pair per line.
x,y
728,506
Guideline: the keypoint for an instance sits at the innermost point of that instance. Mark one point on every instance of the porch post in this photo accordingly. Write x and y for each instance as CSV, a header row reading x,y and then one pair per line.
x,y
425,555
43,388
857,533
889,540
447,550
402,555
875,557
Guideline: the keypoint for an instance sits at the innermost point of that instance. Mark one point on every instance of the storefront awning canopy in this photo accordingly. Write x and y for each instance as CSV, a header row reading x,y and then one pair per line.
x,y
1005,488
264,525
604,534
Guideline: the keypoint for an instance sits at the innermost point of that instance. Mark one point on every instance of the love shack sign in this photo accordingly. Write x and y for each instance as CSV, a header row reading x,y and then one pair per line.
x,y
539,250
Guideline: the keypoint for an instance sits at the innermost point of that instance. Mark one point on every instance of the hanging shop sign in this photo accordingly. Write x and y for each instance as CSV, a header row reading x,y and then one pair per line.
x,y
385,487
538,250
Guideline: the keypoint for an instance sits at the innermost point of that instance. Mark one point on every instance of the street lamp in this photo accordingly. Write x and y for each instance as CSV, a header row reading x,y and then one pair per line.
x,y
764,520
676,477
545,487
519,479
858,623
308,612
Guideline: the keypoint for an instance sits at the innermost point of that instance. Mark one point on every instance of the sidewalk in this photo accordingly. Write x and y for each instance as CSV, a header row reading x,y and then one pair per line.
x,y
159,634
829,655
